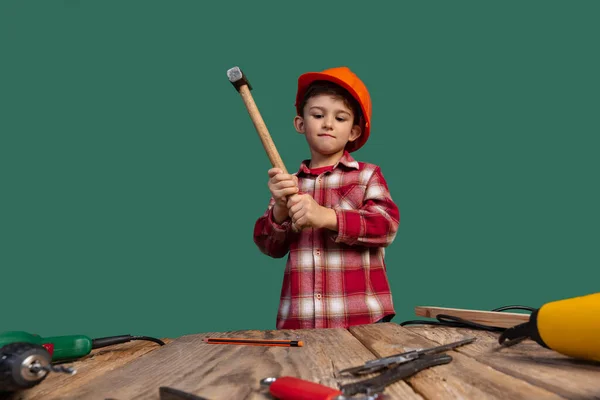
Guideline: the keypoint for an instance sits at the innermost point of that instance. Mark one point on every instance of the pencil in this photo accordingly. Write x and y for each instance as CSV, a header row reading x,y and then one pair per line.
x,y
255,342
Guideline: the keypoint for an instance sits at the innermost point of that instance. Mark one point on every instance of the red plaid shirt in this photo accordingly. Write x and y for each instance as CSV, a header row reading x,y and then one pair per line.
x,y
335,279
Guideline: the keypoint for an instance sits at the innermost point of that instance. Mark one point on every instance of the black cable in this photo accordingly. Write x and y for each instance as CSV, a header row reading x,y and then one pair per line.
x,y
148,338
457,322
112,340
514,308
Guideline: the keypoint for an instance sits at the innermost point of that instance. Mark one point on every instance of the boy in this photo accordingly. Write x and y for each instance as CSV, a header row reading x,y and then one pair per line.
x,y
334,216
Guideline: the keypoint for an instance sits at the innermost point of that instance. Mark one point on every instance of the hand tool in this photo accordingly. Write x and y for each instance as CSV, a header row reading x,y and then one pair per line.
x,y
377,384
169,393
569,326
255,342
242,85
373,366
26,358
290,388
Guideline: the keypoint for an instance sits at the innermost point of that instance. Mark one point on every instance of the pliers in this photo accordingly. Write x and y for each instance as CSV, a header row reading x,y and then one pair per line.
x,y
386,362
289,388
396,367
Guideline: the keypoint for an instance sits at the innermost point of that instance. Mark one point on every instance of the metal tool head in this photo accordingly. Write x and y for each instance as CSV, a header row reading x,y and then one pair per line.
x,y
237,78
379,364
374,396
377,384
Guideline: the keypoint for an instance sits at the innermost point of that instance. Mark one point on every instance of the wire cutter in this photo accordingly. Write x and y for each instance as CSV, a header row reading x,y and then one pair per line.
x,y
290,388
396,368
386,362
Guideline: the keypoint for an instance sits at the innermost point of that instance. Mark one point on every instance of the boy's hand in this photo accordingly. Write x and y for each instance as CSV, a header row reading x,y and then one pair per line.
x,y
281,186
305,212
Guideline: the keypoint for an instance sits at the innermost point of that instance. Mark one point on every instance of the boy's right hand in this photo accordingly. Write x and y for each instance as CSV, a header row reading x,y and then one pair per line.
x,y
281,186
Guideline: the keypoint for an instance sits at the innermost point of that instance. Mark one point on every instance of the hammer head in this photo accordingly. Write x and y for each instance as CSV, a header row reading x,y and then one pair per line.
x,y
237,78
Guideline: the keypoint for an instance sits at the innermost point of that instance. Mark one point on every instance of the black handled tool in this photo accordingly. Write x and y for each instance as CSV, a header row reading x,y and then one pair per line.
x,y
377,384
377,365
169,393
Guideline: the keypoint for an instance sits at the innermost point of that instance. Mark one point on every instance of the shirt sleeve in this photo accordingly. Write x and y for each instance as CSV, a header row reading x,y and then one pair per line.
x,y
375,223
272,239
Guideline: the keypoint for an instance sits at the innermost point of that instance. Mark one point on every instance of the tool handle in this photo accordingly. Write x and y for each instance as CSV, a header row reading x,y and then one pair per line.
x,y
69,347
262,130
290,388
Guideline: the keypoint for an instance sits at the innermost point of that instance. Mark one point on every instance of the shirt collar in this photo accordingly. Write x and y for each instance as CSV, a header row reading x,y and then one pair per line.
x,y
346,160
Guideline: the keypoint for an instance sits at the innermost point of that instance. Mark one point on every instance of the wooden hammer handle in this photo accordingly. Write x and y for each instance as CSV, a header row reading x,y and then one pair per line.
x,y
262,130
263,133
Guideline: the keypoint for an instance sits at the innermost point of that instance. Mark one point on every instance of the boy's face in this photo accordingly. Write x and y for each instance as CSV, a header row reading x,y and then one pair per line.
x,y
328,124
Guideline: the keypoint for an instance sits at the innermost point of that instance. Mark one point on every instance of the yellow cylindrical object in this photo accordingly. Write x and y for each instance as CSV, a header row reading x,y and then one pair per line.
x,y
572,326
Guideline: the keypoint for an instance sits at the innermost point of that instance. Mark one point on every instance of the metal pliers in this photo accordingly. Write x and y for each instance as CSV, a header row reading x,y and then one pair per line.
x,y
369,389
386,362
396,368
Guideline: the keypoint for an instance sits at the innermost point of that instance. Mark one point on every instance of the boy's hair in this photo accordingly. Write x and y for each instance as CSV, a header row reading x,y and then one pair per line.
x,y
325,87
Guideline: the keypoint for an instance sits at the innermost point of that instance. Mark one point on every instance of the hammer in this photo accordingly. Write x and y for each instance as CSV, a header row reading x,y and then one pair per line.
x,y
242,85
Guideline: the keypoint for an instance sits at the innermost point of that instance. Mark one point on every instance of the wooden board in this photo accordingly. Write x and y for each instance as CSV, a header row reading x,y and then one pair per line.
x,y
463,378
232,371
500,318
56,386
527,360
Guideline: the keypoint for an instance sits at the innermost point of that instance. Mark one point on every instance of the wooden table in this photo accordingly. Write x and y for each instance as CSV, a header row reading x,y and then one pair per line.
x,y
478,371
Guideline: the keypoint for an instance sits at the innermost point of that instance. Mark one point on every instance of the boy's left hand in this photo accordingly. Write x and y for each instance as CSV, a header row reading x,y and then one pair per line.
x,y
305,212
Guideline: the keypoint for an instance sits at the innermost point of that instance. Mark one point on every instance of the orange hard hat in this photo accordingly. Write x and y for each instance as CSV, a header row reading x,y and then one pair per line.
x,y
347,79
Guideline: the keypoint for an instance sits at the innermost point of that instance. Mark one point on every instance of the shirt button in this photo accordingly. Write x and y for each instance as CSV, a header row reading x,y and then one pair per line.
x,y
318,296
318,252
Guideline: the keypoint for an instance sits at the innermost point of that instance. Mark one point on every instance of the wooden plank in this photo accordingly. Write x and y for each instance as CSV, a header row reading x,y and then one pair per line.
x,y
494,318
463,378
527,360
233,371
95,364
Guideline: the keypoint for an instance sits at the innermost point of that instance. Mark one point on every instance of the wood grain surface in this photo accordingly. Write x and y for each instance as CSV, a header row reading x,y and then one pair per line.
x,y
234,371
463,378
528,361
479,370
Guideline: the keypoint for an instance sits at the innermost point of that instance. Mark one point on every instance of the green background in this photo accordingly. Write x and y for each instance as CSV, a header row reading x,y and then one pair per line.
x,y
132,175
